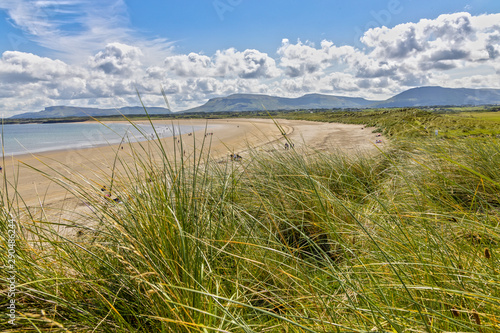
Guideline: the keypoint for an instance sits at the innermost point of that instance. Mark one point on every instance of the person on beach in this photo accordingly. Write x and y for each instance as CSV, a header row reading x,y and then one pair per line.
x,y
106,191
286,146
235,157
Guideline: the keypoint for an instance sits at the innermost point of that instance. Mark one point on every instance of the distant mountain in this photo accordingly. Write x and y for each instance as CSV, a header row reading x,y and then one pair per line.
x,y
250,102
416,97
430,96
71,111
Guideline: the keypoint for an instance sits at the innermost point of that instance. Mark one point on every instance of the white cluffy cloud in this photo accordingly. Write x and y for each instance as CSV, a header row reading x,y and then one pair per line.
x,y
428,52
117,59
454,50
249,64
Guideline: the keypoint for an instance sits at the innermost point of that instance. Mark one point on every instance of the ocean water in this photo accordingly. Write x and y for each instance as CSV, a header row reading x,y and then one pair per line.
x,y
36,138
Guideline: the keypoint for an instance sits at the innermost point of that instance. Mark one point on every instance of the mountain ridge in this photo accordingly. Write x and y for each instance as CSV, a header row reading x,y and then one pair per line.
x,y
415,97
435,96
252,102
73,111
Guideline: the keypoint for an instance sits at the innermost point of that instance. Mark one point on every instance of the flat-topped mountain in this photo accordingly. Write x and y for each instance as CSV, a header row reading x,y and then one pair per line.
x,y
71,111
250,102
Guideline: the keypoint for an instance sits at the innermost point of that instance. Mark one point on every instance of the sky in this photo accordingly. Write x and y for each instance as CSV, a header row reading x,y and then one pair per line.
x,y
103,53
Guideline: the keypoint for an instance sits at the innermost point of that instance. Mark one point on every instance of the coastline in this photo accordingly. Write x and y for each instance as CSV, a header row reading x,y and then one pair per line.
x,y
94,165
95,143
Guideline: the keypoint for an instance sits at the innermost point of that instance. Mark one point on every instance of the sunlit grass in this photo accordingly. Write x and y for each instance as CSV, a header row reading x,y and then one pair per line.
x,y
489,116
406,240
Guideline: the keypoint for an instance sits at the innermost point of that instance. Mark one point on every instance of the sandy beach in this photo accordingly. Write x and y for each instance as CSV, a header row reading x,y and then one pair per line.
x,y
31,173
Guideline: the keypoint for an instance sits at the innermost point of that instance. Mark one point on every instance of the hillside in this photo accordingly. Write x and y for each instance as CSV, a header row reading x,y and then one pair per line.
x,y
429,96
70,111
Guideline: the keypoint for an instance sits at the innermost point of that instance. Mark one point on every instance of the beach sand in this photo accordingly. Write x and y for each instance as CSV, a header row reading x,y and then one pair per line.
x,y
31,173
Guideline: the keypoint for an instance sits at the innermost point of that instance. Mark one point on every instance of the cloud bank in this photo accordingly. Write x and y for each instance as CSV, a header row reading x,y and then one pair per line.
x,y
453,50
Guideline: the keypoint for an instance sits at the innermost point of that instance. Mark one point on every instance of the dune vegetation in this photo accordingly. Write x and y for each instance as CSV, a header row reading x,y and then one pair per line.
x,y
405,240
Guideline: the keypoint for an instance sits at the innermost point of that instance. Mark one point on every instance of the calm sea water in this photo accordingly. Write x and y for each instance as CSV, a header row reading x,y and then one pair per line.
x,y
35,138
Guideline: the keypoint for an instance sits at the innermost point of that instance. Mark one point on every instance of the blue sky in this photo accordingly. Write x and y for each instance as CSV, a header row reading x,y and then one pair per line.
x,y
211,25
96,53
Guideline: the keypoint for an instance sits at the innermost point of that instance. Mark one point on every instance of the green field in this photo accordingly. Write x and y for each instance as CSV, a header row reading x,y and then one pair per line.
x,y
488,116
406,240
411,123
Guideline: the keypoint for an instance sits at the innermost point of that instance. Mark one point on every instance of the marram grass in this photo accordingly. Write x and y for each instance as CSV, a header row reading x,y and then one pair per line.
x,y
406,240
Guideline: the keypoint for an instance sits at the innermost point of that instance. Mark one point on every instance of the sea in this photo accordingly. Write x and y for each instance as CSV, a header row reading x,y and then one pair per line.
x,y
35,138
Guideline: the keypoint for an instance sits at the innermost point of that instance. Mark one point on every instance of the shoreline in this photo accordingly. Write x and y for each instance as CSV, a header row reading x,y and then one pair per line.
x,y
27,170
92,165
91,146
